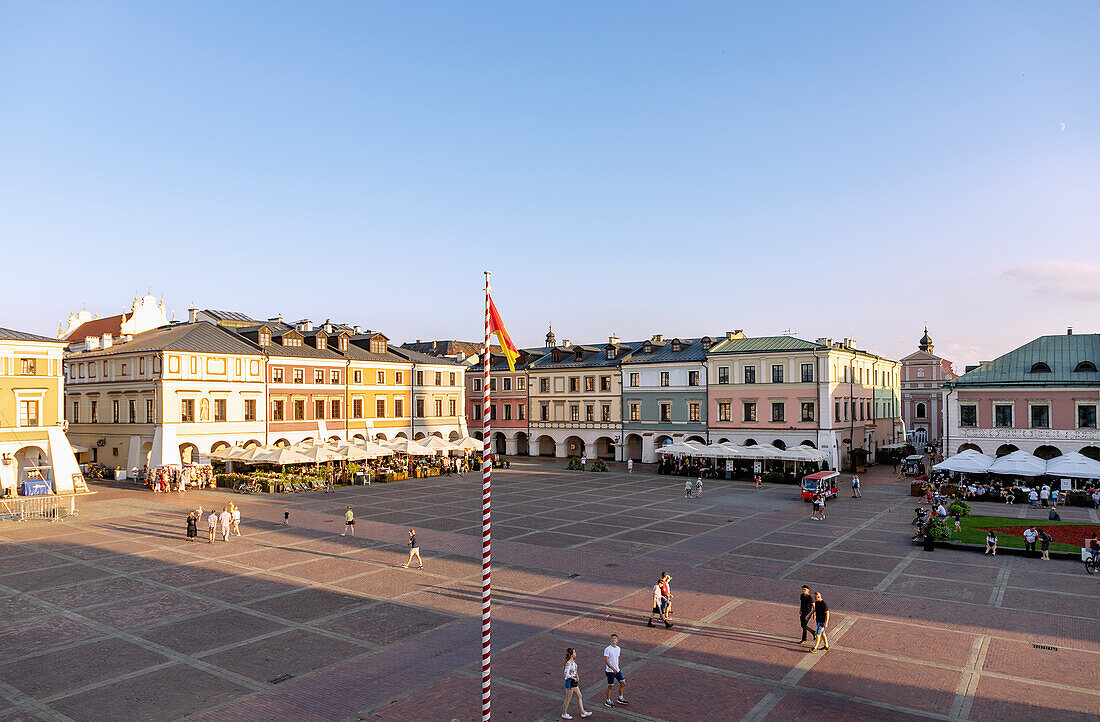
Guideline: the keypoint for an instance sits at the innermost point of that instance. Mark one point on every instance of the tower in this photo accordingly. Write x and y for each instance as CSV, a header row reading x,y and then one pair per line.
x,y
925,342
550,337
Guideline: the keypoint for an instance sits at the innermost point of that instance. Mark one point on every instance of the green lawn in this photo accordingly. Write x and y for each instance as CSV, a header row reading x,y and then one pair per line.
x,y
974,531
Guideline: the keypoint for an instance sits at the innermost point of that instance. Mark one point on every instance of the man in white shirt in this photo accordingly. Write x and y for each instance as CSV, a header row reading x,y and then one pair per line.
x,y
630,466
1045,495
1033,497
614,674
1031,534
212,521
226,520
941,512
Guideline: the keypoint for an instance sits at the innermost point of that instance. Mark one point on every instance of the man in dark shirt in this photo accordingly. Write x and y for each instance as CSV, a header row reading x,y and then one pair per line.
x,y
806,613
821,613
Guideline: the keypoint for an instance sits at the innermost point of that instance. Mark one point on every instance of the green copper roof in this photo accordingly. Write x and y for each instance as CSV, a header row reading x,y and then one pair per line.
x,y
764,343
1062,354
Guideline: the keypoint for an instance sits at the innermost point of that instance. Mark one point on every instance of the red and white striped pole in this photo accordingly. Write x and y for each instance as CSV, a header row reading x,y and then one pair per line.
x,y
486,526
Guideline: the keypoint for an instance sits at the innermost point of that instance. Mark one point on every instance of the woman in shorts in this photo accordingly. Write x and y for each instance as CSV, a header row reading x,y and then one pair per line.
x,y
414,550
572,685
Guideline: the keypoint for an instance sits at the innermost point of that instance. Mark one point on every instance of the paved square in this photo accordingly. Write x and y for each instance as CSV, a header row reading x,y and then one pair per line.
x,y
113,615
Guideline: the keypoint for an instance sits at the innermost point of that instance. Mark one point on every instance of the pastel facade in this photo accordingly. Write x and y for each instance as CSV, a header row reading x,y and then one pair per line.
x,y
923,375
438,395
664,395
33,445
509,403
1043,398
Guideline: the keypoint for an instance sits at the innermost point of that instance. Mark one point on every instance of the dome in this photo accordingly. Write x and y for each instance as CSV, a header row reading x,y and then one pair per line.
x,y
926,341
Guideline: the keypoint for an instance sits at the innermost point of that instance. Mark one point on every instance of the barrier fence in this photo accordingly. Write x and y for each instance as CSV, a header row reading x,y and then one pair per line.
x,y
49,508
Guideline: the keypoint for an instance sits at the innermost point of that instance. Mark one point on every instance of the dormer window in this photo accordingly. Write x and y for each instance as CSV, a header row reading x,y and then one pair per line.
x,y
265,338
556,355
677,347
343,343
611,353
578,355
321,343
1040,368
1085,366
378,345
647,347
705,342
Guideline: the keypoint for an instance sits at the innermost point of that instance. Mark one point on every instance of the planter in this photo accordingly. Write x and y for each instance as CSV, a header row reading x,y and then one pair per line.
x,y
120,475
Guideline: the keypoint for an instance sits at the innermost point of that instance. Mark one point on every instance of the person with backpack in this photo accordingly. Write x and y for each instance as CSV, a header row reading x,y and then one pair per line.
x,y
1044,544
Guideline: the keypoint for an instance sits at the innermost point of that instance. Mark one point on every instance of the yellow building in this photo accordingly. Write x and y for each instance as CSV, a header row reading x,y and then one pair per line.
x,y
33,446
379,386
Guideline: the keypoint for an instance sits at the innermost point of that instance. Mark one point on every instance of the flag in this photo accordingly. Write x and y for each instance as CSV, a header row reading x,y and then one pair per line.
x,y
506,346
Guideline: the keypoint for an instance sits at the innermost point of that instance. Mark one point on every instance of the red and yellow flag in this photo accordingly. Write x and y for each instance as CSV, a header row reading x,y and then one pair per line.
x,y
506,346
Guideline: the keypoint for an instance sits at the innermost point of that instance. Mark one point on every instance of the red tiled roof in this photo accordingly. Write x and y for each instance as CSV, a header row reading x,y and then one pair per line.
x,y
98,327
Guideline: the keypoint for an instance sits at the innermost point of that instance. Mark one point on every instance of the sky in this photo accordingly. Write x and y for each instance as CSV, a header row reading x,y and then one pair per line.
x,y
825,169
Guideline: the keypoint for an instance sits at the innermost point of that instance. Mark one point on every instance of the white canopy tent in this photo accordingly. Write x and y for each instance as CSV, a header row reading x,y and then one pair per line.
x,y
438,444
469,443
682,449
1073,465
283,455
966,462
1019,463
412,448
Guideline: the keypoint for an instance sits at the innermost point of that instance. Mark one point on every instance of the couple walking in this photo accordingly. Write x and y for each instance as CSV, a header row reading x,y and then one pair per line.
x,y
611,670
813,609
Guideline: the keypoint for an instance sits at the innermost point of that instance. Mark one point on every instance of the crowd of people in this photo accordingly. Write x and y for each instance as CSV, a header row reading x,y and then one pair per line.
x,y
228,521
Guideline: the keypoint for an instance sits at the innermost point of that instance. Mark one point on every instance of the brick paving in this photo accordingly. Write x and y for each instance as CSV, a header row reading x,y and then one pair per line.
x,y
112,615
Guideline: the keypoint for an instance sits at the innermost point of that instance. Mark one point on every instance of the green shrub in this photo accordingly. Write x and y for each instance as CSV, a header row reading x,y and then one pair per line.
x,y
773,477
573,465
599,465
959,507
938,529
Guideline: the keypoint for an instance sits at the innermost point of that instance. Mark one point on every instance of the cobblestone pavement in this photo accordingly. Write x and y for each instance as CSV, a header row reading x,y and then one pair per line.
x,y
112,615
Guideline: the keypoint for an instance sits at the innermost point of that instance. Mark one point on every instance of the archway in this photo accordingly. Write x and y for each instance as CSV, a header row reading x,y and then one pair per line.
x,y
1006,449
33,464
218,445
334,438
969,447
574,446
308,441
723,440
547,446
1047,452
401,435
189,453
358,437
807,442
419,436
778,443
634,447
380,437
480,436
438,434
750,442
282,443
523,447
697,439
605,448
1093,452
145,453
662,441
454,436
252,444
500,443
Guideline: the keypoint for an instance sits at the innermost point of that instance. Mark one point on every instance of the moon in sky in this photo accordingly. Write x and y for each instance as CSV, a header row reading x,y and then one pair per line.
x,y
1063,125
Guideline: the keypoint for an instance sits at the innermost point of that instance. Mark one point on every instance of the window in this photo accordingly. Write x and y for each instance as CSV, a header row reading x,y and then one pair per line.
x,y
521,412
438,378
779,411
611,353
589,383
438,407
276,376
1040,416
920,373
318,376
150,416
277,411
419,378
807,410
334,409
477,411
544,386
357,376
589,413
605,383
748,409
574,383
1086,416
95,412
194,366
1002,415
521,384
723,374
665,413
451,378
492,412
357,408
114,411
846,410
693,378
1085,366
634,380
219,409
265,338
299,410
334,377
1040,368
605,412
836,412
507,408
544,412
860,410
922,412
76,413
574,413
664,378
131,411
750,374
420,408
807,373
968,415
493,384
454,407
28,367
380,378
299,376
123,370
635,411
723,410
477,384
398,378
379,408
693,411
777,373
28,413
507,383
187,410
250,409
399,407
92,367
318,408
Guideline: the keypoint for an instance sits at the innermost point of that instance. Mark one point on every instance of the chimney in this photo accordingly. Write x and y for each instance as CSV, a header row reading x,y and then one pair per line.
x,y
91,343
305,325
739,332
276,319
357,329
328,326
657,338
192,315
1069,331
613,339
566,343
106,340
731,335
460,356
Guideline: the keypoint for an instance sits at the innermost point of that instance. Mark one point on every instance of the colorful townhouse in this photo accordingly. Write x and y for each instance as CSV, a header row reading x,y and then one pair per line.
x,y
35,454
508,403
576,399
923,375
438,395
1042,397
786,391
664,394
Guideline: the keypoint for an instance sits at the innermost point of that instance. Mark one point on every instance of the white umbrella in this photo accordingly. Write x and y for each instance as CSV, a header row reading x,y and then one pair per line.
x,y
240,454
367,450
762,451
221,454
469,443
412,448
321,454
434,442
1074,465
684,449
282,456
966,462
804,453
1019,463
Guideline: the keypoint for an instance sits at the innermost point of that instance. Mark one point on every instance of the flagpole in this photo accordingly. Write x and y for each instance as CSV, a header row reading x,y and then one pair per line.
x,y
486,524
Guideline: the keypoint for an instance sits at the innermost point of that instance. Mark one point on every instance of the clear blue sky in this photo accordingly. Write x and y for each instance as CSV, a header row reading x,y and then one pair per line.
x,y
684,168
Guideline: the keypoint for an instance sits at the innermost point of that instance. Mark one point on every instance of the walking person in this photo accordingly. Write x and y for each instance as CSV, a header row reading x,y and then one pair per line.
x,y
349,522
212,521
855,488
572,685
661,602
758,480
192,527
414,550
806,614
1044,544
1033,497
687,488
286,517
821,616
236,519
699,488
613,673
630,466
226,520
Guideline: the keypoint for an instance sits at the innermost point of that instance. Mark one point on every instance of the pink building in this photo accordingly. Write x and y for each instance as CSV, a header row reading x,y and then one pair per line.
x,y
508,405
1042,398
923,375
